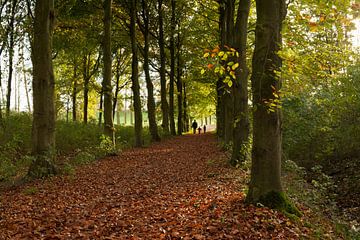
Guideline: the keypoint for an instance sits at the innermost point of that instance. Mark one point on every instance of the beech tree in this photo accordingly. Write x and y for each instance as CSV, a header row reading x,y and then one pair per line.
x,y
149,85
135,75
161,40
106,86
265,184
43,127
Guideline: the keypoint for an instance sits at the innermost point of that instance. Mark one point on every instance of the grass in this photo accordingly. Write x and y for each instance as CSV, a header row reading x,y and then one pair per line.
x,y
76,144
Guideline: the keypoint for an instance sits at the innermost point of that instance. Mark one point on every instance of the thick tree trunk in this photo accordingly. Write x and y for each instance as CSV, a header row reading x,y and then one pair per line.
x,y
43,129
107,88
228,97
265,184
164,102
240,88
172,69
149,85
135,77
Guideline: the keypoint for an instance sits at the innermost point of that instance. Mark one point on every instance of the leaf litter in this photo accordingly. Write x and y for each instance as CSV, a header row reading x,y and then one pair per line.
x,y
180,188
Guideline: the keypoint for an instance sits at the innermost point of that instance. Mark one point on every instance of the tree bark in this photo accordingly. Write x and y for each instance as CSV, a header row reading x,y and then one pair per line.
x,y
11,54
240,88
86,63
172,69
101,106
149,85
186,116
164,102
135,76
107,88
43,128
180,123
117,87
265,183
74,93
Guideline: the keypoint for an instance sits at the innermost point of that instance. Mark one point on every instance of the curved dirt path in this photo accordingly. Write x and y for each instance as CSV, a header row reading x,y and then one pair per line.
x,y
177,189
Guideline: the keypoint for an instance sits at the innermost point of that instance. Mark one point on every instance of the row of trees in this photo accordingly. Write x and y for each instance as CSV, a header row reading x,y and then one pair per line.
x,y
163,42
316,32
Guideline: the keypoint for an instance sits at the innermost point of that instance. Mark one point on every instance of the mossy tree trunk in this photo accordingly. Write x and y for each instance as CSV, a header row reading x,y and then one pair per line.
x,y
43,127
107,86
265,184
135,76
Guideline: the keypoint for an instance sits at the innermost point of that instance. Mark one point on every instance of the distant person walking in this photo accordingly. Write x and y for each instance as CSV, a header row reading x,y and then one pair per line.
x,y
199,130
194,126
204,128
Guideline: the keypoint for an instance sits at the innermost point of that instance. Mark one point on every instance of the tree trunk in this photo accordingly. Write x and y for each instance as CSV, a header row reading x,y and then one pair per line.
x,y
180,123
43,128
186,117
164,103
25,78
240,88
11,54
149,85
117,87
107,88
1,114
135,76
265,184
101,106
172,69
86,63
74,93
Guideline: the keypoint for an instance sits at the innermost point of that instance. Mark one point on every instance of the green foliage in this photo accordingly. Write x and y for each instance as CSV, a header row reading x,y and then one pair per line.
x,y
7,169
76,142
82,158
323,125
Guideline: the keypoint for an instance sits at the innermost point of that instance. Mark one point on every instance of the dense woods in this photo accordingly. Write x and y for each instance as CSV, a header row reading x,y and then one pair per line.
x,y
277,80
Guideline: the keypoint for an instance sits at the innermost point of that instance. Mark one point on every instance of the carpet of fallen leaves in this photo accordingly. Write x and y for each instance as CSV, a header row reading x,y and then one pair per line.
x,y
180,188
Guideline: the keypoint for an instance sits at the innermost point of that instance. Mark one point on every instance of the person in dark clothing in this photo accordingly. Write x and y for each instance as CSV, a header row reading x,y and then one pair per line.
x,y
204,128
199,130
194,126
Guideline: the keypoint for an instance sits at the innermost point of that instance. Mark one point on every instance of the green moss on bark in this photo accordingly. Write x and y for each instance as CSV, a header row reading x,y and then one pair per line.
x,y
279,201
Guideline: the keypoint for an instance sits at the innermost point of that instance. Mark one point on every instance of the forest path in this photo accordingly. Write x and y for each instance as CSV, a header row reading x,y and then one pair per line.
x,y
180,187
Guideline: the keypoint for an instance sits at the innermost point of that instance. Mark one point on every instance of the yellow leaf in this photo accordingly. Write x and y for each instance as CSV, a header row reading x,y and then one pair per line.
x,y
235,66
202,71
206,55
224,57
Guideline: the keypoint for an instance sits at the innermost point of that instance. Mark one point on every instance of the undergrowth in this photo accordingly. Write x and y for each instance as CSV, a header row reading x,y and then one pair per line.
x,y
321,214
76,144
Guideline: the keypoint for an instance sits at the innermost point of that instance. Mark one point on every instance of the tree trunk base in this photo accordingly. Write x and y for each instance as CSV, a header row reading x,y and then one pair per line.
x,y
276,200
42,167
